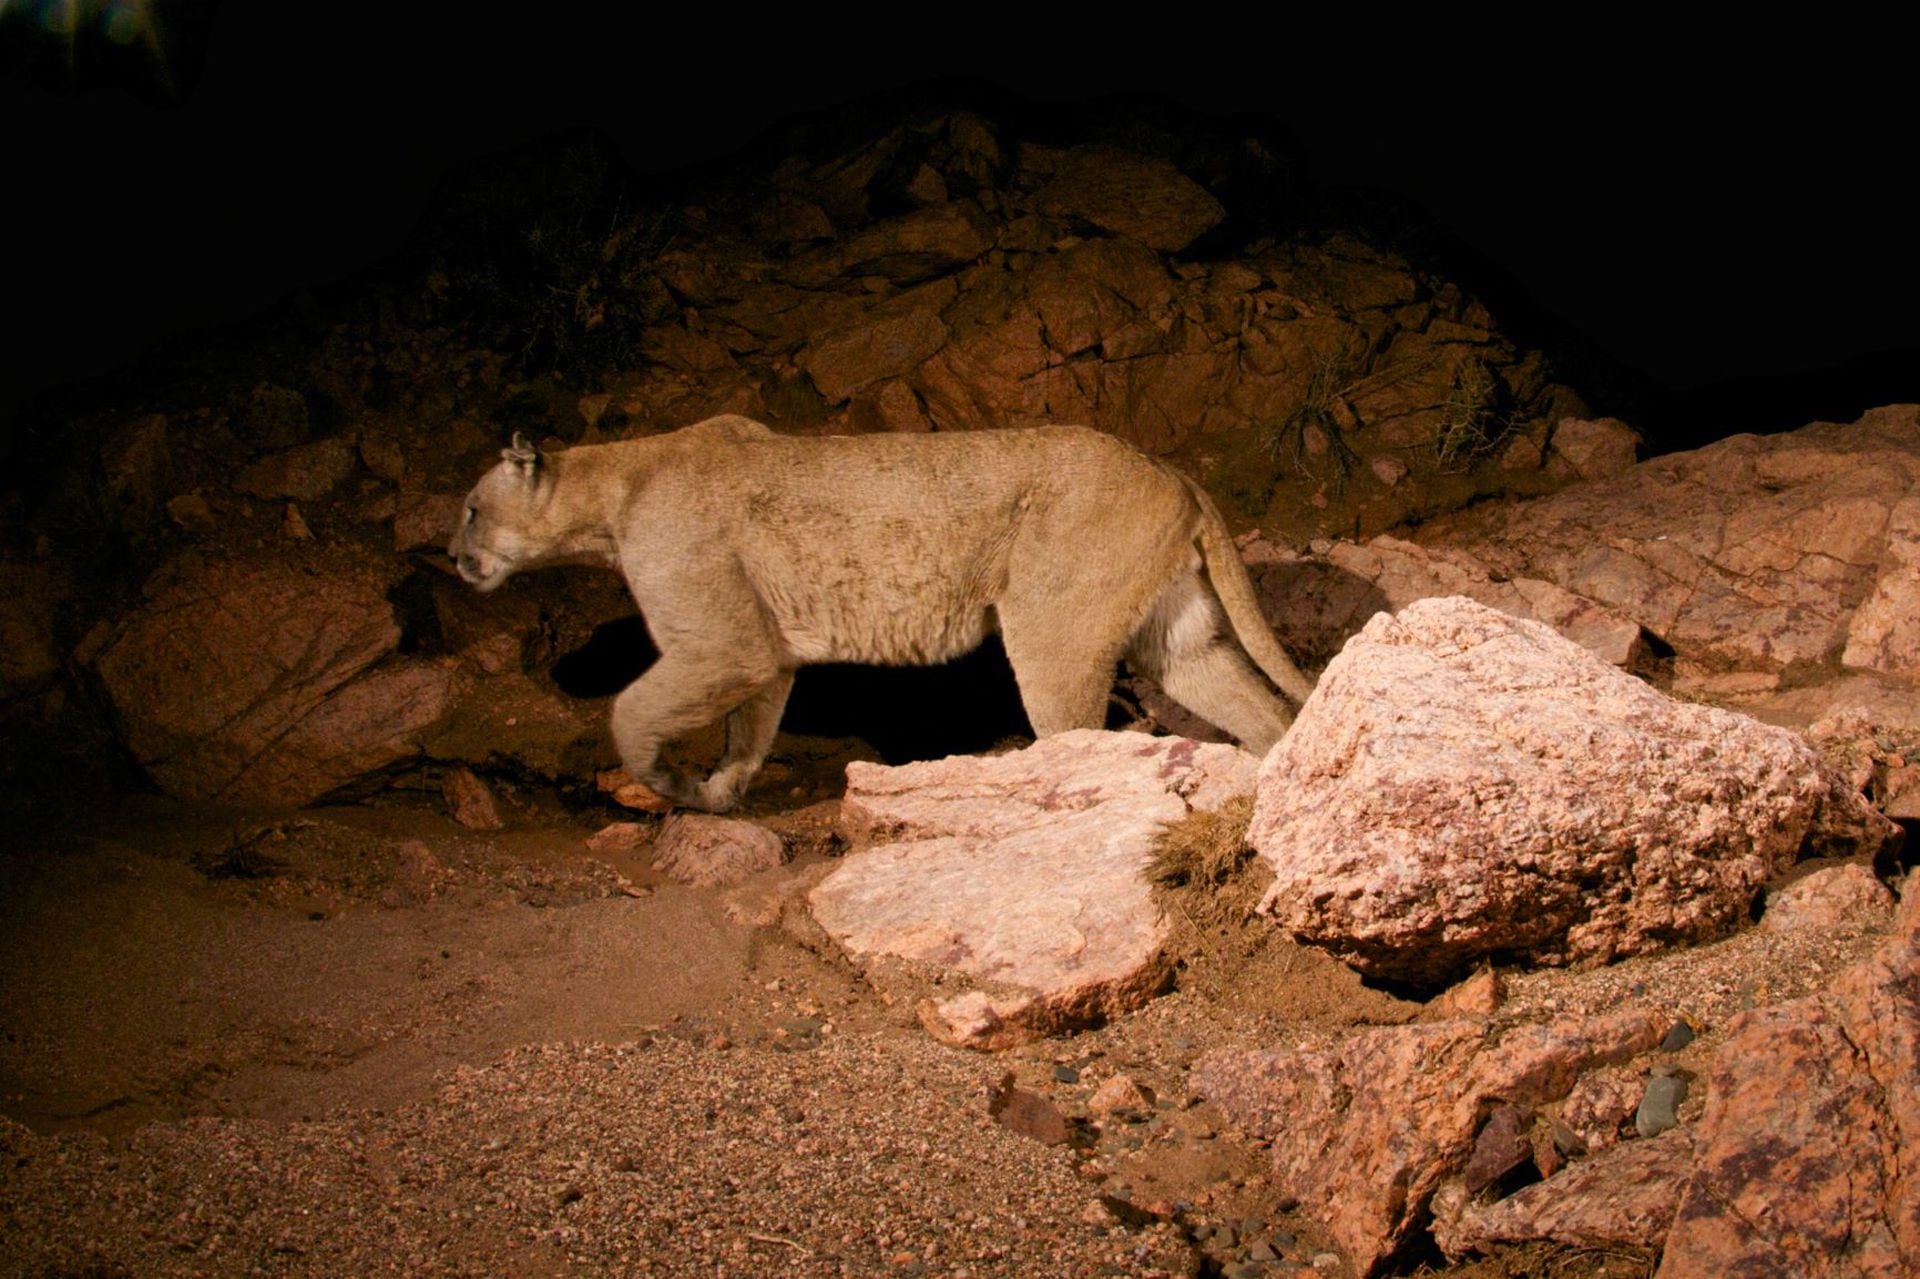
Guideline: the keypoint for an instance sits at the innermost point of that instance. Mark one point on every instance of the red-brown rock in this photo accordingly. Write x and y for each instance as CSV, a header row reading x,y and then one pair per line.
x,y
256,682
1838,897
849,360
1463,783
1502,1148
714,852
1365,1124
1118,1093
375,723
469,800
1745,556
426,517
305,473
625,790
1478,996
137,468
1592,450
1884,633
1809,1151
1598,1107
617,837
1028,1113
1625,1198
1402,572
1143,198
911,247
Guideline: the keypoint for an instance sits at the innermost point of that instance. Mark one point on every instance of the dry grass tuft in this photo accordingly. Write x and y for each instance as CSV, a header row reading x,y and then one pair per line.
x,y
1200,867
1554,1261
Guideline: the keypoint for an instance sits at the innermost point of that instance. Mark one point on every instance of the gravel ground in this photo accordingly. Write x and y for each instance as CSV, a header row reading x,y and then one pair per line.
x,y
867,1155
379,1044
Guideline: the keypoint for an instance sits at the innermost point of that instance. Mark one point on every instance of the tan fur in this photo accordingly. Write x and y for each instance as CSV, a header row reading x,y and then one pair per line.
x,y
752,554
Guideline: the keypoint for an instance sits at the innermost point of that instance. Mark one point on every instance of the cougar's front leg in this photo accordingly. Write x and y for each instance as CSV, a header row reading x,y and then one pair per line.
x,y
750,730
718,658
680,693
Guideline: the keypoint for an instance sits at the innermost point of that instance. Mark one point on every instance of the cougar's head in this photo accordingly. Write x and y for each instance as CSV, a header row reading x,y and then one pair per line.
x,y
499,525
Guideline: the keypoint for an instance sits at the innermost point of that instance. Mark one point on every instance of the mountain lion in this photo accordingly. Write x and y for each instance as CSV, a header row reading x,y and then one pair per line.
x,y
752,554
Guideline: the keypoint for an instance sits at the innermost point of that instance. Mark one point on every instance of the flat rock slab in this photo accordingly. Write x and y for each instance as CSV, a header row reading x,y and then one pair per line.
x,y
1465,784
1624,1198
1022,875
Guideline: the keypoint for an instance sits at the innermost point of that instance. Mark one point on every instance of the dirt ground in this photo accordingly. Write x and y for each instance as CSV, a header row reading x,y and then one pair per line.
x,y
364,1040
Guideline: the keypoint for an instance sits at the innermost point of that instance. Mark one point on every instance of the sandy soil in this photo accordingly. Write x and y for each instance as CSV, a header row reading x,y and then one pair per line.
x,y
366,1041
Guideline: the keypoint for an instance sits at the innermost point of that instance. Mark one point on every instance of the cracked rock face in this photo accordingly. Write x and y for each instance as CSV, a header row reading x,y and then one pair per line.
x,y
1821,1177
1366,1123
1318,600
1746,556
1465,784
269,682
1021,874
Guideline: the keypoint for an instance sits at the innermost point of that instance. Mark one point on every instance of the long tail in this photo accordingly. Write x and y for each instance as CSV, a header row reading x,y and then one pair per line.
x,y
1235,589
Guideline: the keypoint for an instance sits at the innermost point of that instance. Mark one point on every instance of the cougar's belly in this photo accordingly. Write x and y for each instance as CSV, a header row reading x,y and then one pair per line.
x,y
879,618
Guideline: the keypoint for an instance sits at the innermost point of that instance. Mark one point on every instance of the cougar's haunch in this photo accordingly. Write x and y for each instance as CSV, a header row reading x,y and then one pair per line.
x,y
752,554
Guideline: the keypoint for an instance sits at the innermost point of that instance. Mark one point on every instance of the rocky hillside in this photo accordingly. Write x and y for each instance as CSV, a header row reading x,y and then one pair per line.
x,y
938,270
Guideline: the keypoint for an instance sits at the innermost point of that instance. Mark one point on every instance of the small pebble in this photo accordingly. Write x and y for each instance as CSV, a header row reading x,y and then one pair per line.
x,y
1066,1075
1679,1037
1656,1113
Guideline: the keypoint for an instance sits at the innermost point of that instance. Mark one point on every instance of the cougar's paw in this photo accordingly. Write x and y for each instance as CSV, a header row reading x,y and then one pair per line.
x,y
629,792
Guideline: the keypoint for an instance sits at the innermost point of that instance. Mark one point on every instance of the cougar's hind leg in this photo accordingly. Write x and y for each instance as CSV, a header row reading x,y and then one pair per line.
x,y
1064,678
1183,646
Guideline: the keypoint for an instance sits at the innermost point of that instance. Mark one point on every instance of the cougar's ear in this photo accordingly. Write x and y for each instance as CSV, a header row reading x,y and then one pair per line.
x,y
522,454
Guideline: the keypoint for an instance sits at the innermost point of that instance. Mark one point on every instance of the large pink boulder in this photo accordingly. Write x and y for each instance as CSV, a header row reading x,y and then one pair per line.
x,y
1465,784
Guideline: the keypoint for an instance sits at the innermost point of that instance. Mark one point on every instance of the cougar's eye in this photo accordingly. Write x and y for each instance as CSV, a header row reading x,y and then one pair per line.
x,y
468,517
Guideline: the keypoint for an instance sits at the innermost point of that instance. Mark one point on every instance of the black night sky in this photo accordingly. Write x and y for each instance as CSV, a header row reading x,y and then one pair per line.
x,y
1702,208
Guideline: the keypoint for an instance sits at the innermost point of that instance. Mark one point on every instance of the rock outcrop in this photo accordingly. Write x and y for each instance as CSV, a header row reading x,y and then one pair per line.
x,y
1021,874
270,682
1820,1176
1801,1162
1465,784
951,274
1320,598
1747,557
1365,1125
